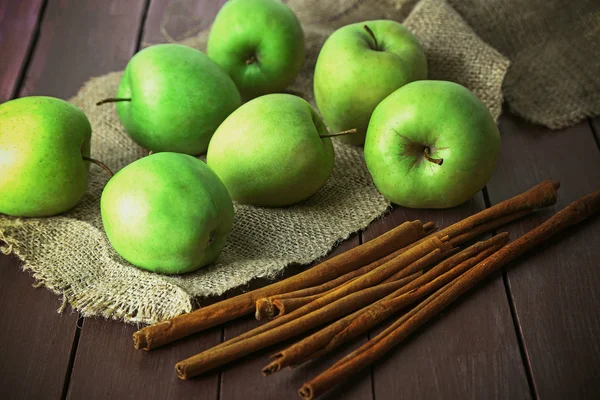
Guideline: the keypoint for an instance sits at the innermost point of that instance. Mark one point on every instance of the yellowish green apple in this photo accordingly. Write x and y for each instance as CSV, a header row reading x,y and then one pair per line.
x,y
259,43
173,98
269,152
167,213
360,65
431,144
42,144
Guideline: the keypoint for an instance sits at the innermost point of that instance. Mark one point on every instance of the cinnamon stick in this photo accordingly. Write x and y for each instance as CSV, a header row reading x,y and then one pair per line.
x,y
228,352
542,195
287,305
272,306
344,300
390,306
355,324
410,232
265,306
159,334
488,227
414,255
382,343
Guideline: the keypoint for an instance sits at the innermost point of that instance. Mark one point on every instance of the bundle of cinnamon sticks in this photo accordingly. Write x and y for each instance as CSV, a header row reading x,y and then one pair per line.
x,y
414,265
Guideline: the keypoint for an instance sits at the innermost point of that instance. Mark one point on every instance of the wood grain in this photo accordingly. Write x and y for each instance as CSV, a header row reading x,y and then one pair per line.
x,y
595,124
35,341
556,290
18,23
80,39
36,345
469,351
243,379
108,367
180,19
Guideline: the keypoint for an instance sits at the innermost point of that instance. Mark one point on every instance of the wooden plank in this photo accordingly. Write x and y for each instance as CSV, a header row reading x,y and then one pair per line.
x,y
80,39
243,379
36,345
595,124
35,342
180,19
555,290
469,351
107,366
18,24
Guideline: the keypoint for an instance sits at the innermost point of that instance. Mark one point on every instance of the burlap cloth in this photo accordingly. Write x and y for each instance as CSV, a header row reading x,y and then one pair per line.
x,y
70,254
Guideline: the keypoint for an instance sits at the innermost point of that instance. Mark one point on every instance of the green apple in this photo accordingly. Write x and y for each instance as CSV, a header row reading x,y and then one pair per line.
x,y
269,152
360,65
177,98
167,213
259,43
431,144
42,142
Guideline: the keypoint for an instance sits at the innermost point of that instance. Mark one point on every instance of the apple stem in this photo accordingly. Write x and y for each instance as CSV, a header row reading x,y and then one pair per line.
x,y
251,60
99,163
348,132
437,161
113,100
372,35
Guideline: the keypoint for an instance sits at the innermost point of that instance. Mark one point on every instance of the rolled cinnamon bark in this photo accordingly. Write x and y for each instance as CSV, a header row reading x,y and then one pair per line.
x,y
425,254
352,326
539,196
287,305
405,235
486,227
265,306
273,306
384,342
159,334
346,299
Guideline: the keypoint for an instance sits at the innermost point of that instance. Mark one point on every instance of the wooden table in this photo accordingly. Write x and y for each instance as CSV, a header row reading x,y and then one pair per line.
x,y
532,330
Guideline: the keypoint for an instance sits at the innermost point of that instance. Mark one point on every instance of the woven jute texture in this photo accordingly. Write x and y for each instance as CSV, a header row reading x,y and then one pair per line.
x,y
554,50
70,253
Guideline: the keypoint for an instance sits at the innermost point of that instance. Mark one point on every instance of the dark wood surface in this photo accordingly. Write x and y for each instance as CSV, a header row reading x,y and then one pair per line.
x,y
530,331
18,22
556,290
470,351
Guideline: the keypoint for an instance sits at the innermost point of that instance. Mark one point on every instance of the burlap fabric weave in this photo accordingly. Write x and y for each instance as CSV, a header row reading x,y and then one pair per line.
x,y
70,253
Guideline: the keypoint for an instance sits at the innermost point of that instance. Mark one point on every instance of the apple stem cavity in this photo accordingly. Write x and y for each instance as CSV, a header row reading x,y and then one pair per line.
x,y
100,164
252,59
428,157
113,100
376,48
348,132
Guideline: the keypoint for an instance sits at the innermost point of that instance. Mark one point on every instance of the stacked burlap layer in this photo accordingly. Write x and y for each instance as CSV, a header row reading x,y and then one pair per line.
x,y
71,255
552,45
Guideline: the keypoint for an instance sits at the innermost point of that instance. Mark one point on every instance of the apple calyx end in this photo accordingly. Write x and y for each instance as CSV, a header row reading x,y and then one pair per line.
x,y
438,161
